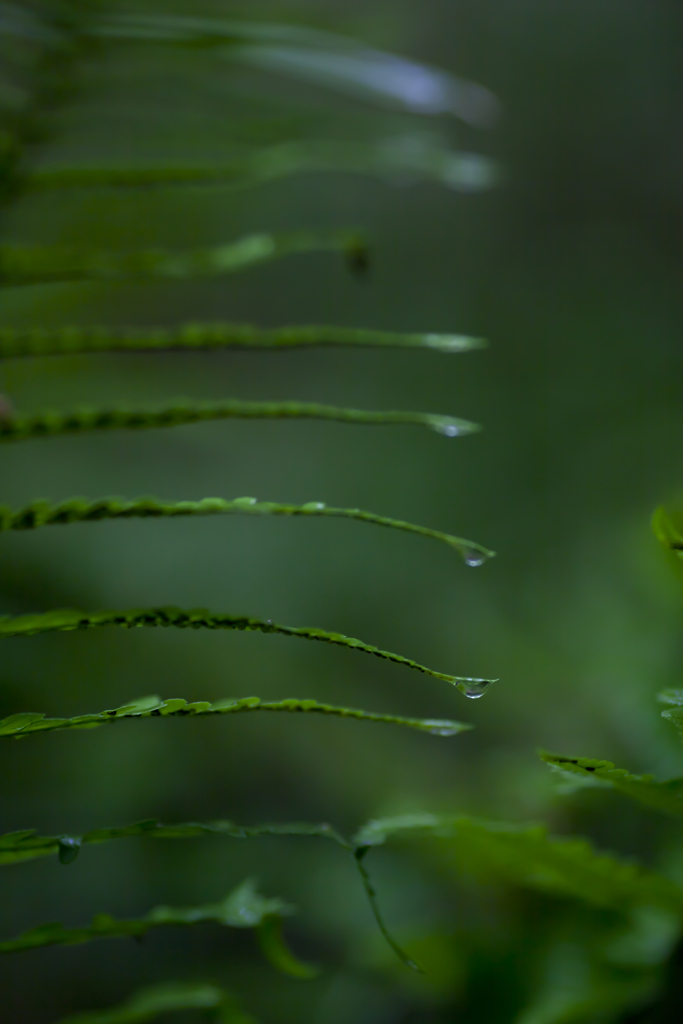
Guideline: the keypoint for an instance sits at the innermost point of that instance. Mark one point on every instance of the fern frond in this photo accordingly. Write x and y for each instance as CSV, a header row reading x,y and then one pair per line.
x,y
385,158
16,847
179,412
149,1003
242,908
199,618
661,796
46,341
41,264
78,510
527,856
22,724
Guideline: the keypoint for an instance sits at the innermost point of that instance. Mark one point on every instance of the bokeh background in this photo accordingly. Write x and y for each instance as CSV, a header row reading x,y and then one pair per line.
x,y
571,267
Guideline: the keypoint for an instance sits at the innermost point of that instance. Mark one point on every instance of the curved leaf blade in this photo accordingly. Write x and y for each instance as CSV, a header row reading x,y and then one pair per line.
x,y
68,619
18,342
660,796
242,908
146,707
42,264
182,412
77,510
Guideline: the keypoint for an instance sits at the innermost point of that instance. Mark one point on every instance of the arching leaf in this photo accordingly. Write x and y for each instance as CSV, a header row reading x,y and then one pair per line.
x,y
46,341
68,619
183,411
77,510
22,724
661,796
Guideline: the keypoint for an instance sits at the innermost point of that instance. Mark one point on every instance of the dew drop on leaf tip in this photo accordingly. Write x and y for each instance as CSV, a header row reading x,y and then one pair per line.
x,y
441,727
474,557
474,688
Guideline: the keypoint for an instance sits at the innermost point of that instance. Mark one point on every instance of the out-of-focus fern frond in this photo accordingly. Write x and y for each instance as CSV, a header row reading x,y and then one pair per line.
x,y
41,264
182,411
527,856
242,908
149,1003
79,510
405,158
22,724
16,847
42,341
68,619
323,58
661,796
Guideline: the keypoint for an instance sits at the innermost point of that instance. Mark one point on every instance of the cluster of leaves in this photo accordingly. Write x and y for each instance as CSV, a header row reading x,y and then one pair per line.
x,y
69,31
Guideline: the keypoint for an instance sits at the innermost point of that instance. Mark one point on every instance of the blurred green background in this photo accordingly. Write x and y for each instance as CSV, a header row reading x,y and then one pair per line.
x,y
571,268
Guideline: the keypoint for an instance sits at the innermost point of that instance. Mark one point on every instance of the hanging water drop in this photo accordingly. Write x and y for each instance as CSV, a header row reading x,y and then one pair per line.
x,y
474,557
474,688
69,847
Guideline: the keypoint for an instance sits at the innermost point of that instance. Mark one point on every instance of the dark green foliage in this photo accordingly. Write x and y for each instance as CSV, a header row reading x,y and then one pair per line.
x,y
149,1003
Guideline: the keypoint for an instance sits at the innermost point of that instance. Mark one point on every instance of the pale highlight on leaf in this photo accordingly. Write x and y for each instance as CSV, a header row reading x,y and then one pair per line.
x,y
149,1003
674,712
24,723
526,856
77,510
68,619
42,264
183,411
47,341
661,796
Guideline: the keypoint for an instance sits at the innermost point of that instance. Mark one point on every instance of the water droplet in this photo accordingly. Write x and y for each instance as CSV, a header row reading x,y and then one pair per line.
x,y
474,557
441,727
313,506
69,848
244,502
451,427
474,688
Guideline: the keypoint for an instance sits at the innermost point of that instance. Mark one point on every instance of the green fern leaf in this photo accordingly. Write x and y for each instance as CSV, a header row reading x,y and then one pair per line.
x,y
179,412
385,158
661,796
149,1003
527,856
69,619
38,264
21,725
242,908
45,341
76,510
16,847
